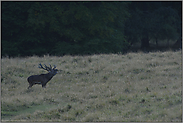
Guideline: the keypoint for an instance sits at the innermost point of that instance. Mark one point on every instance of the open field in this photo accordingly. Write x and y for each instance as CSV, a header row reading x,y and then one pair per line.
x,y
132,87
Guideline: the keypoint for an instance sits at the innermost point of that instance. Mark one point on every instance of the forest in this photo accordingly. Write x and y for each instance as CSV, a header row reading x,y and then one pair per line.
x,y
82,28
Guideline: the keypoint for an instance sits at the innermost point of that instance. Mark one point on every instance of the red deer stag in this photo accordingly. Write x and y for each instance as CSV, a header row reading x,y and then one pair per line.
x,y
42,79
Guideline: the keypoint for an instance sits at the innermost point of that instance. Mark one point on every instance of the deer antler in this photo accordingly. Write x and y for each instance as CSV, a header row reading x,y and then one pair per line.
x,y
54,67
50,66
46,68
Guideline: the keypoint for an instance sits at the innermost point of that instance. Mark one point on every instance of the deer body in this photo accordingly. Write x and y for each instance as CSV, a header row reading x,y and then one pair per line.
x,y
42,79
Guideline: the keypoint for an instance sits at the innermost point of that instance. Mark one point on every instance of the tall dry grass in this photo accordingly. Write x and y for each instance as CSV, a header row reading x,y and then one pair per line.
x,y
114,87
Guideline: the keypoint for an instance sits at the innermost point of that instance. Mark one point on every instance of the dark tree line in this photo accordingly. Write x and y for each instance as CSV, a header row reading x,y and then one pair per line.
x,y
59,28
154,21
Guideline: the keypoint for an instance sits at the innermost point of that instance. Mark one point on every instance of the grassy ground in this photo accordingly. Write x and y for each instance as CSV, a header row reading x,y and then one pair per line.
x,y
132,87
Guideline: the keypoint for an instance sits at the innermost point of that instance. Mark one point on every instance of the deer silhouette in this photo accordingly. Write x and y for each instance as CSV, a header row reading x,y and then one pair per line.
x,y
42,79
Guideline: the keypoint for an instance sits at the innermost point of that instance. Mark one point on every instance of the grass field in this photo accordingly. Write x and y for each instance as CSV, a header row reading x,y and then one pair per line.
x,y
114,87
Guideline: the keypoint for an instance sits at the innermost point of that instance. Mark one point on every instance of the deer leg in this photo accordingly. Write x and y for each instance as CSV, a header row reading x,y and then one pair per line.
x,y
43,85
30,85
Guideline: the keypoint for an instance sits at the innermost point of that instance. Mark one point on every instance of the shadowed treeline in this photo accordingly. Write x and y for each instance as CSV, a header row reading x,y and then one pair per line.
x,y
86,28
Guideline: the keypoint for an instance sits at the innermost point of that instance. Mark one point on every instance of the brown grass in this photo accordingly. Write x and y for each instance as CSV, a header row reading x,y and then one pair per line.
x,y
114,87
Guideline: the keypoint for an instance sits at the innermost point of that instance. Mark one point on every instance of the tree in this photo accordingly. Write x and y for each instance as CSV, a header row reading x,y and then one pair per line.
x,y
151,20
63,27
165,22
13,24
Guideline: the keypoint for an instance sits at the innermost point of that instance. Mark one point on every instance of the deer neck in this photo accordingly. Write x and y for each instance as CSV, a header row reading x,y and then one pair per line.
x,y
49,75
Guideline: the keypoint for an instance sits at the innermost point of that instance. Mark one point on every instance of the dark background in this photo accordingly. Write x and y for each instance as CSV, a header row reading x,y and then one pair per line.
x,y
80,28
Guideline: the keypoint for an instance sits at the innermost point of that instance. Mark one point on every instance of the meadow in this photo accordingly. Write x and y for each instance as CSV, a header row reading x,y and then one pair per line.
x,y
106,87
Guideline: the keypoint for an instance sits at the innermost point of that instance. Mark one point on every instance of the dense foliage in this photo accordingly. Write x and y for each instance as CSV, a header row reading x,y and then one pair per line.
x,y
153,21
60,28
